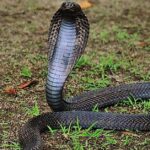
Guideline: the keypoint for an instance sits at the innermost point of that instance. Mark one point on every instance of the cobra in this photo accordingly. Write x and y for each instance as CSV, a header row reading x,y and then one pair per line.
x,y
68,35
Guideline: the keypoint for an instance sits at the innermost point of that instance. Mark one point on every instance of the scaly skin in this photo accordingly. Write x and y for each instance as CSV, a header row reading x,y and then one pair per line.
x,y
68,36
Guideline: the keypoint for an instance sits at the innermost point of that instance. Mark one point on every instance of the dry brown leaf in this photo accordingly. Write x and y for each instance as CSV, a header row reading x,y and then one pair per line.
x,y
85,4
10,90
27,84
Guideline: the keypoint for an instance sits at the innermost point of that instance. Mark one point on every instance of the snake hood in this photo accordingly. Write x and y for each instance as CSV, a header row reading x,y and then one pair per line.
x,y
73,11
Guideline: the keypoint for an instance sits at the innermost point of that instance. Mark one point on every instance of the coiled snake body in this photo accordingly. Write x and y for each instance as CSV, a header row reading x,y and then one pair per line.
x,y
68,36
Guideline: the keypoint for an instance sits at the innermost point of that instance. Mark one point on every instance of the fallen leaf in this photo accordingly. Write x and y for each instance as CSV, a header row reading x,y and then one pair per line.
x,y
85,4
27,84
10,90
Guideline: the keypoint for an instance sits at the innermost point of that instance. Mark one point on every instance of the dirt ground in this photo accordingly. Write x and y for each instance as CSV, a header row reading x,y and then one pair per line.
x,y
23,43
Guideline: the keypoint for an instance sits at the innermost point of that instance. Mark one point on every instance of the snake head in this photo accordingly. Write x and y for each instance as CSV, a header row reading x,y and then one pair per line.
x,y
70,8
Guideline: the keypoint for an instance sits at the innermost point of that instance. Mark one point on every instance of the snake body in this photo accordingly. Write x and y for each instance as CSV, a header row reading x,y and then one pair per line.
x,y
68,36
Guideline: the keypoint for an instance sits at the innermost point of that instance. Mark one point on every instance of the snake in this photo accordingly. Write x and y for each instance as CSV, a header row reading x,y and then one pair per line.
x,y
67,39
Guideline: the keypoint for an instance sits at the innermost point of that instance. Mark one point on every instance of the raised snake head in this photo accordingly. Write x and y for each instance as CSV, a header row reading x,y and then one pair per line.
x,y
70,9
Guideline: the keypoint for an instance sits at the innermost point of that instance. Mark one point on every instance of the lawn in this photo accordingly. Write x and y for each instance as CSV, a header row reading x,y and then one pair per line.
x,y
117,52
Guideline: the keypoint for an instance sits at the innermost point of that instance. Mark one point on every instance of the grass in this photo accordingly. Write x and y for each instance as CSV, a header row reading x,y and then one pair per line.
x,y
123,36
90,83
117,52
75,133
145,142
137,72
104,36
111,63
34,111
26,72
84,60
4,135
116,33
127,140
138,104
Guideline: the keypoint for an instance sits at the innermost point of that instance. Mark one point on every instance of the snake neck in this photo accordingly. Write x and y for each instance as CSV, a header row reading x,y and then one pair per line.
x,y
61,63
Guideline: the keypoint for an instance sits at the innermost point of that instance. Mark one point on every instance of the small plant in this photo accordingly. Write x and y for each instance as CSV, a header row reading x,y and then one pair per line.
x,y
131,101
143,105
34,111
95,108
146,105
126,140
52,131
83,61
26,72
